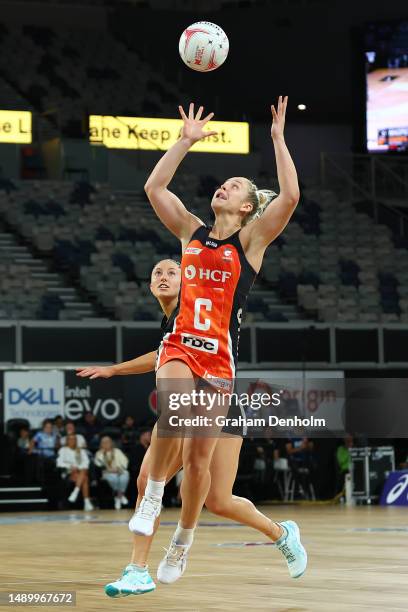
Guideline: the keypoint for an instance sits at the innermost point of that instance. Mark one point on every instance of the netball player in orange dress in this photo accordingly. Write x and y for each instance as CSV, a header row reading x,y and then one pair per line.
x,y
136,579
218,267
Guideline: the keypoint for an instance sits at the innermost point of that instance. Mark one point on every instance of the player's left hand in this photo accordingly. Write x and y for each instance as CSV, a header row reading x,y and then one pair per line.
x,y
92,372
278,118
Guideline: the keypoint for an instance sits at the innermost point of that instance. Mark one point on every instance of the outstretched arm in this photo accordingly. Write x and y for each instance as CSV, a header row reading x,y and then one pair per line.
x,y
275,218
140,365
168,207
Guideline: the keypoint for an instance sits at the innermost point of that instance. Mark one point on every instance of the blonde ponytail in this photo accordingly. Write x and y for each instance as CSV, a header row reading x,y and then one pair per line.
x,y
260,199
265,197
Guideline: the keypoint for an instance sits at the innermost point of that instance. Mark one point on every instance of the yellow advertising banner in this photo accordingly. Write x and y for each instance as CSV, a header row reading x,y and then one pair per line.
x,y
15,126
152,134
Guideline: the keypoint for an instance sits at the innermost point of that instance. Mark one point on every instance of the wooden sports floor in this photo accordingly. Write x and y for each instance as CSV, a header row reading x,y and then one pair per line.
x,y
358,560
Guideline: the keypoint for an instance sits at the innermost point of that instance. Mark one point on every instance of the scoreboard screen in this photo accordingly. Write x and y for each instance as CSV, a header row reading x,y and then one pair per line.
x,y
386,55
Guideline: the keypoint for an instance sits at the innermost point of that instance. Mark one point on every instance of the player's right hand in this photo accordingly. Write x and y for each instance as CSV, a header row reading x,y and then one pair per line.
x,y
193,127
95,372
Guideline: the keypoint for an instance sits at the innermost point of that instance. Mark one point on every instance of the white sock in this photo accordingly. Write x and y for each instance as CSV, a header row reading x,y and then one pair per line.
x,y
74,494
155,488
184,536
138,568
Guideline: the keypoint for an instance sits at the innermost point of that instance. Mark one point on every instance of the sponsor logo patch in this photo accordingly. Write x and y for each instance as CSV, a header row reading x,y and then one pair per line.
x,y
192,251
199,343
227,254
218,276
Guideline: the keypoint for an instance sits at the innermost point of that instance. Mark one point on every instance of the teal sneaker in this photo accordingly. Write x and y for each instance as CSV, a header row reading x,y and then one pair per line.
x,y
134,581
291,548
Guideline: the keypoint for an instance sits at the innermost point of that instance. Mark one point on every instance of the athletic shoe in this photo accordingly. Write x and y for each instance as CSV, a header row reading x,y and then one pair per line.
x,y
88,506
74,496
134,581
291,548
118,504
124,500
142,522
174,564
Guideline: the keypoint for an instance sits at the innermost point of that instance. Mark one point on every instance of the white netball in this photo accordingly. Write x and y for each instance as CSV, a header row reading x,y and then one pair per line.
x,y
203,46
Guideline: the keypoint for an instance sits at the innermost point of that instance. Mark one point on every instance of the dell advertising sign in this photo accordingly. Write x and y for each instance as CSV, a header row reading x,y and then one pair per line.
x,y
33,395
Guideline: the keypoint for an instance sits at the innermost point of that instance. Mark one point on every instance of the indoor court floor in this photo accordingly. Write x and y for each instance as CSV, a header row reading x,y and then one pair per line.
x,y
358,560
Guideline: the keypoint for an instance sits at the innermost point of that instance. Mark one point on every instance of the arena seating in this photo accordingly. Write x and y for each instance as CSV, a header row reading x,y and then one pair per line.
x,y
109,242
332,263
361,268
72,72
28,290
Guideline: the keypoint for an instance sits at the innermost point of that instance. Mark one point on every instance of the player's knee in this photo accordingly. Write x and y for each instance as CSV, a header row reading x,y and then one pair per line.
x,y
216,504
194,469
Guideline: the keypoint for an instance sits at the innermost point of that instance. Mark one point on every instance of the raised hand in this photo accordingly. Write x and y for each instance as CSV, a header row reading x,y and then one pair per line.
x,y
95,372
193,128
278,118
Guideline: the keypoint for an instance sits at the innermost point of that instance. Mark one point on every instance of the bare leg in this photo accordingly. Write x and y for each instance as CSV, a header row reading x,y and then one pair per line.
x,y
197,453
174,376
221,501
142,544
83,483
80,477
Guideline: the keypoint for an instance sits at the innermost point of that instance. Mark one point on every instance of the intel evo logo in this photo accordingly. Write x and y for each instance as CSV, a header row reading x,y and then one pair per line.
x,y
43,397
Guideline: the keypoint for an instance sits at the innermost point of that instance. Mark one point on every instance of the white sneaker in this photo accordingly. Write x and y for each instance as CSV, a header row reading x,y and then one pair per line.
x,y
124,500
118,504
88,506
134,581
174,564
74,496
142,522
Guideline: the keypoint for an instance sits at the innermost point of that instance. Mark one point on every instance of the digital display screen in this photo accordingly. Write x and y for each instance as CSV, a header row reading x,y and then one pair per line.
x,y
386,54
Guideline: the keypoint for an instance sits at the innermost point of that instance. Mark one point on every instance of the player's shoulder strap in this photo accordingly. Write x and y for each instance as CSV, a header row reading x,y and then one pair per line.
x,y
200,233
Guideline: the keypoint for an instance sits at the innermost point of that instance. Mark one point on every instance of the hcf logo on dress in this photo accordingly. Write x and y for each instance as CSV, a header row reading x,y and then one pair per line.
x,y
218,276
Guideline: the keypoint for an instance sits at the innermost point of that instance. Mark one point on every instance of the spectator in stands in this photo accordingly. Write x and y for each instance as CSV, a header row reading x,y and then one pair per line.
x,y
114,464
137,453
260,465
299,450
92,430
128,431
343,461
58,427
259,473
26,467
74,462
23,441
300,457
44,442
70,429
